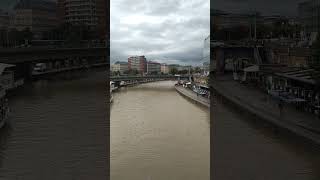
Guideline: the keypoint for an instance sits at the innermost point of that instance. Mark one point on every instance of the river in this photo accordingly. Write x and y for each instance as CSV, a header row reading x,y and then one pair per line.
x,y
157,134
247,148
57,129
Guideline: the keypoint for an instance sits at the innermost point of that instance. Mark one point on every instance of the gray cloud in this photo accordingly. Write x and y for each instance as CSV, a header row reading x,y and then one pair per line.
x,y
170,31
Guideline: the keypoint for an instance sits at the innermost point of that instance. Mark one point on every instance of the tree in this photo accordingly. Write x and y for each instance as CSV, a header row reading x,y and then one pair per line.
x,y
173,70
197,70
183,71
131,72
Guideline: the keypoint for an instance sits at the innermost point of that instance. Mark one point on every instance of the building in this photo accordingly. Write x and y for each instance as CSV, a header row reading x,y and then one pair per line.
x,y
102,18
4,20
164,68
153,67
206,67
119,66
7,79
78,12
138,63
206,53
224,20
309,13
91,13
292,57
36,15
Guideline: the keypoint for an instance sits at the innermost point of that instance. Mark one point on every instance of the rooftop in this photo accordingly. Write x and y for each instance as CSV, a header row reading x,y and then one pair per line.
x,y
121,62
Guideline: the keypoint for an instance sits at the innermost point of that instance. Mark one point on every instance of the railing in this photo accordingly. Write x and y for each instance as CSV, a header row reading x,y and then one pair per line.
x,y
146,77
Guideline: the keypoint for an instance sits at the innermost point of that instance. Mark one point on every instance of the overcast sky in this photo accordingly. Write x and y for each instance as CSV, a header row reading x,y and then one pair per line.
x,y
171,31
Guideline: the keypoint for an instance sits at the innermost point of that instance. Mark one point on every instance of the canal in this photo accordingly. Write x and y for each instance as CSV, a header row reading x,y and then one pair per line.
x,y
248,148
157,134
57,129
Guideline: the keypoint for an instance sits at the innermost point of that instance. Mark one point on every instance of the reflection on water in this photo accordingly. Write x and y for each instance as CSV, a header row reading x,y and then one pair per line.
x,y
58,129
157,134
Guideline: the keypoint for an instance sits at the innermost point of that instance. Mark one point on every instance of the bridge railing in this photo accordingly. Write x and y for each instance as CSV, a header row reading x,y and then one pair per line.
x,y
146,77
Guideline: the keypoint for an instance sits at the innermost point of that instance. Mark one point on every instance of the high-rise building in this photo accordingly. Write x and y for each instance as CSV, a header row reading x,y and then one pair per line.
x,y
87,12
102,17
206,54
206,49
37,15
153,67
138,63
309,13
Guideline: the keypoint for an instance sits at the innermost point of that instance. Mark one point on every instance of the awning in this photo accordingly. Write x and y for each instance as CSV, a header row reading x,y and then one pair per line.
x,y
254,68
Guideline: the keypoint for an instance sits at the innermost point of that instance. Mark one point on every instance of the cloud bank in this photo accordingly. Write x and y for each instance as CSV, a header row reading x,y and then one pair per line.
x,y
171,31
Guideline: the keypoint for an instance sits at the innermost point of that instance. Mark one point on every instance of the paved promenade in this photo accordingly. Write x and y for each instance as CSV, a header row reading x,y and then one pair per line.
x,y
266,107
193,96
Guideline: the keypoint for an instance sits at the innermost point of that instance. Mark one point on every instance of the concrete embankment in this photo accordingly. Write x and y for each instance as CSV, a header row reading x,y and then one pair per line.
x,y
264,114
193,96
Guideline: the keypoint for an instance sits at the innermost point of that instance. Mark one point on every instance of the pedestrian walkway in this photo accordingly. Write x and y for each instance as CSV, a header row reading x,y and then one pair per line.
x,y
192,95
266,106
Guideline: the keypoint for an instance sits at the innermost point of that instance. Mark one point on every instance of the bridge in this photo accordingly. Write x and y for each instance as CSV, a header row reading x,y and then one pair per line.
x,y
25,58
148,78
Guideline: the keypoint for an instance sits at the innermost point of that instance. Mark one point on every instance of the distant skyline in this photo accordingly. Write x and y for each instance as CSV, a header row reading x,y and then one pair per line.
x,y
171,31
168,62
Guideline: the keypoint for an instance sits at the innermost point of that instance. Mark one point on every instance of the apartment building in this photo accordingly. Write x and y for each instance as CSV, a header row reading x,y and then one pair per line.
x,y
138,63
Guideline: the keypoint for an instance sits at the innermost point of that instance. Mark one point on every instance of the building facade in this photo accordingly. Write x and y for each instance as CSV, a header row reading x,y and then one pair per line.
x,y
36,15
228,20
4,20
91,13
292,57
153,67
120,67
309,13
164,68
138,63
206,51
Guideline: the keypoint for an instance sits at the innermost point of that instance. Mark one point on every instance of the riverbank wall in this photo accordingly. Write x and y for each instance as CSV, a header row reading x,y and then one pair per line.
x,y
248,109
192,96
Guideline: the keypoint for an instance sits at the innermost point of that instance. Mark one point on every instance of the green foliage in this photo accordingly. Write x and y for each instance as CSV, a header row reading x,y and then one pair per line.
x,y
197,70
183,71
173,71
131,72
